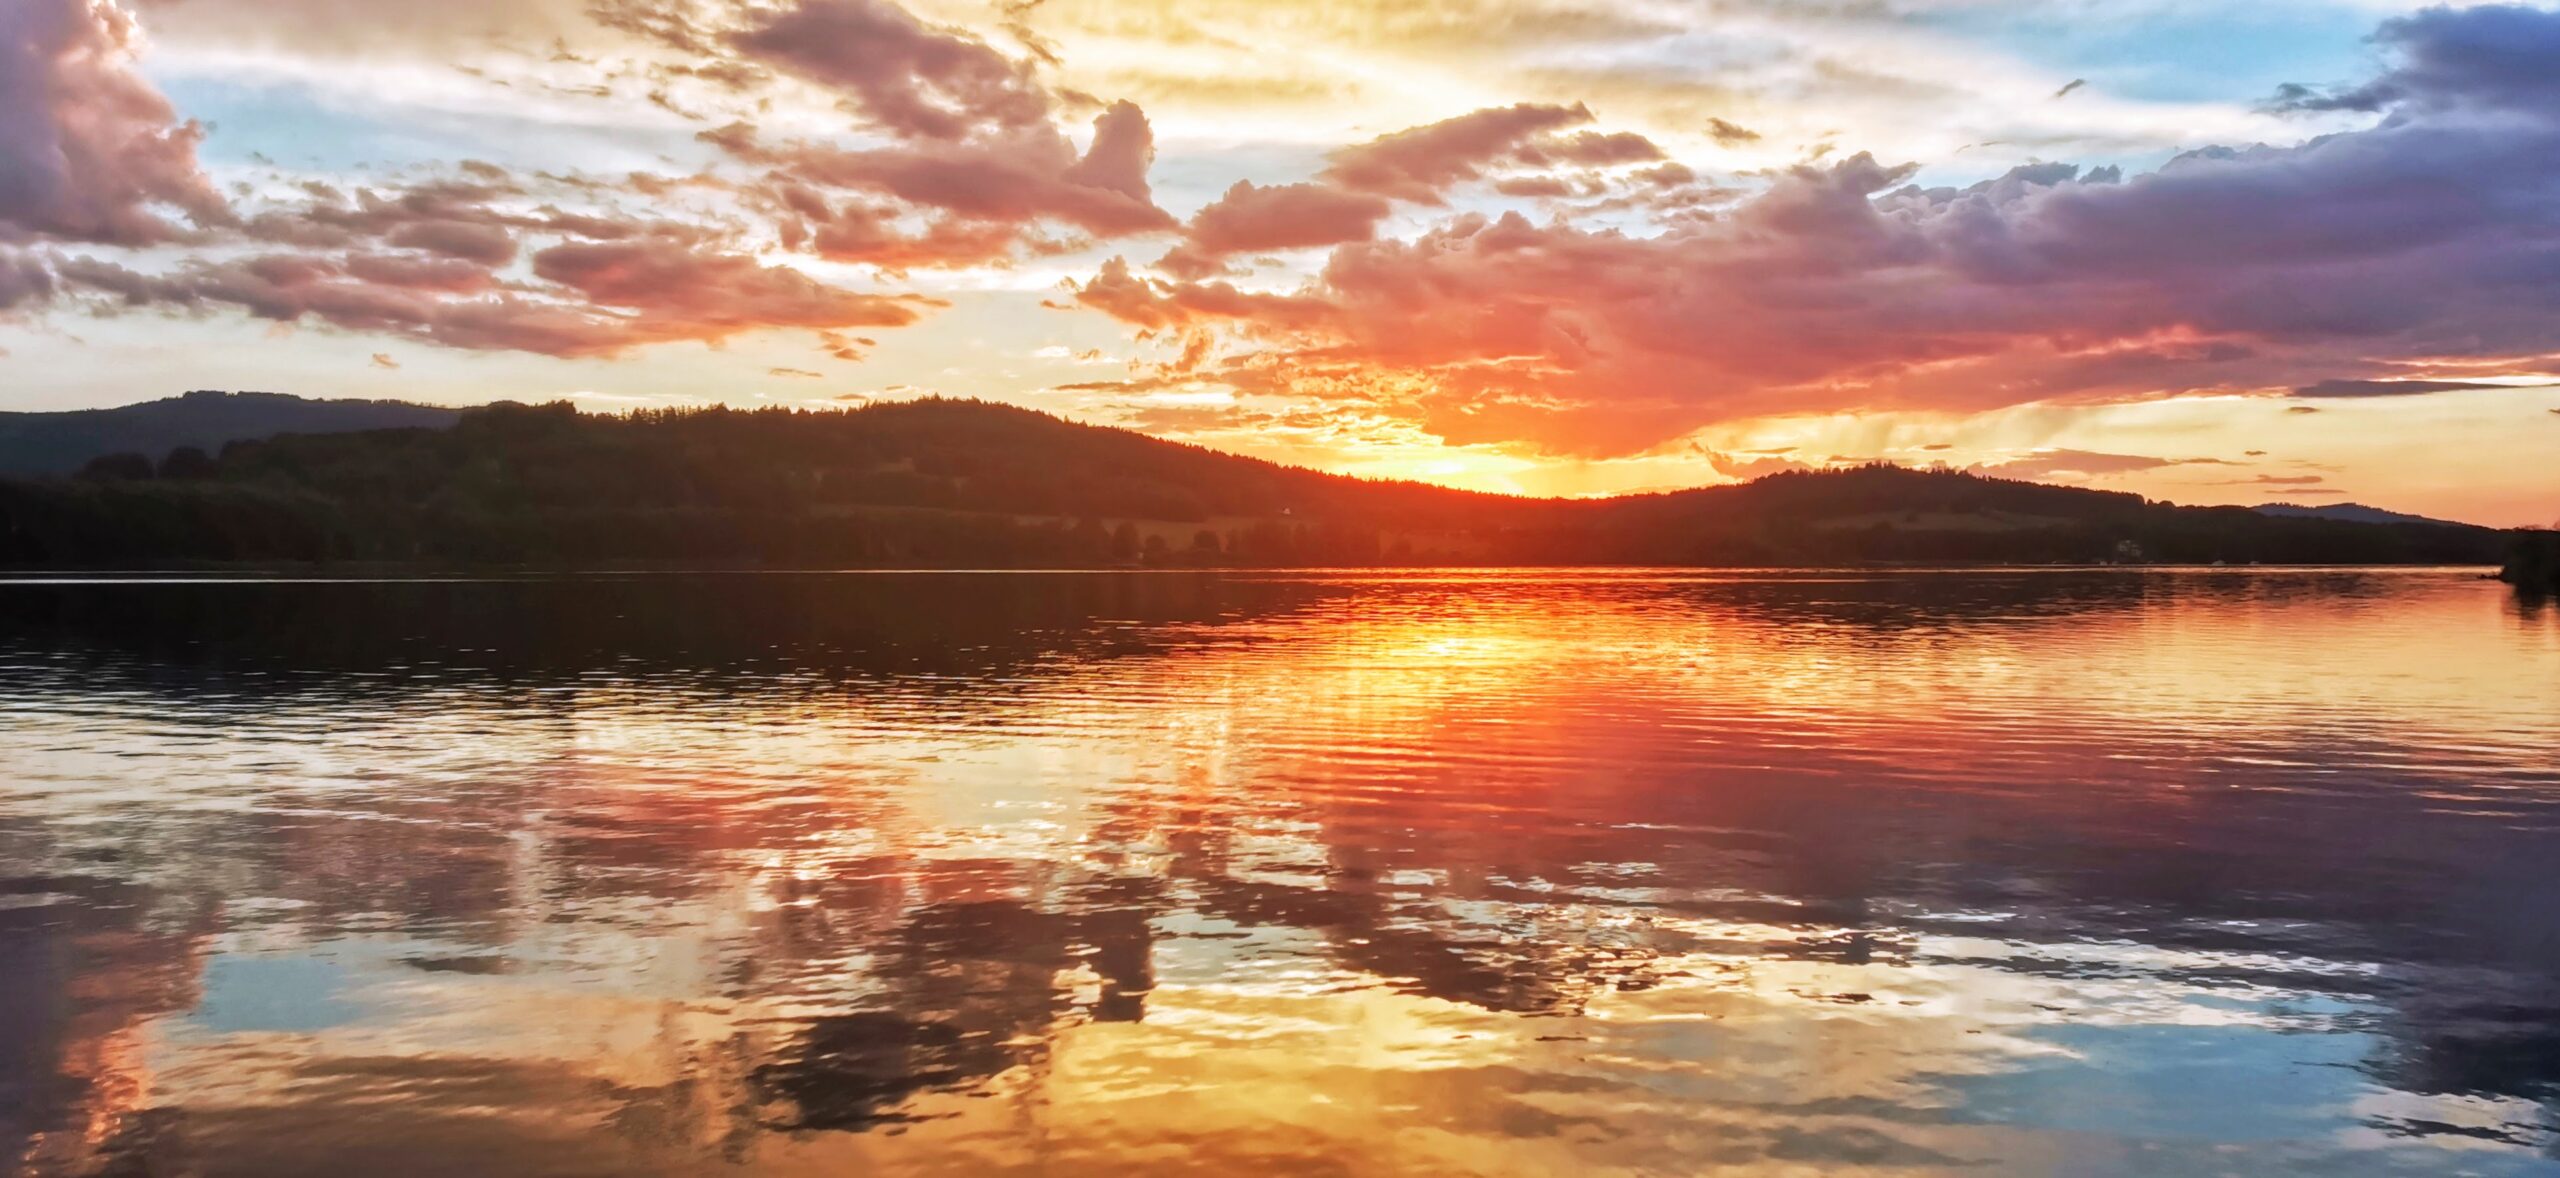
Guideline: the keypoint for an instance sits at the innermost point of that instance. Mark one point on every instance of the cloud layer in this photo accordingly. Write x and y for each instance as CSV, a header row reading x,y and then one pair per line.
x,y
1843,285
88,151
1533,275
480,258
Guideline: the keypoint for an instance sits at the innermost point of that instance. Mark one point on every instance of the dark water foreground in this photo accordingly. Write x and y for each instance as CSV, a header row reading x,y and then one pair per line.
x,y
2033,873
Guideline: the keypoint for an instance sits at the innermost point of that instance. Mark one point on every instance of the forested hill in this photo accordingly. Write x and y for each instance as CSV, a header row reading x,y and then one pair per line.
x,y
2351,512
58,443
964,483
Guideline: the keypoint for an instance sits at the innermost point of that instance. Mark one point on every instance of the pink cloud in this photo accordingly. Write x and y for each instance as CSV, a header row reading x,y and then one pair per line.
x,y
1847,287
683,293
1284,216
89,151
1123,149
451,275
1160,305
907,77
1421,163
1592,149
978,193
1838,286
976,167
1352,197
870,236
604,298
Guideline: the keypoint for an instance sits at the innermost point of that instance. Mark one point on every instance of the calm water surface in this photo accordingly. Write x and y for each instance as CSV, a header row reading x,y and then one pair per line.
x,y
2075,873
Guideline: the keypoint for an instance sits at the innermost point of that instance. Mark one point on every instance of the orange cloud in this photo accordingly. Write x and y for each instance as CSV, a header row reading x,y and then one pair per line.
x,y
1847,287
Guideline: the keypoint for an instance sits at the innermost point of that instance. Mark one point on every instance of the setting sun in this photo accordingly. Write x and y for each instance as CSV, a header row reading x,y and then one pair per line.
x,y
1345,588
1506,245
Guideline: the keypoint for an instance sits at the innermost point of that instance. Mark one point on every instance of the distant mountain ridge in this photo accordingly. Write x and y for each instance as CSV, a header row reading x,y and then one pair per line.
x,y
61,442
2356,513
950,483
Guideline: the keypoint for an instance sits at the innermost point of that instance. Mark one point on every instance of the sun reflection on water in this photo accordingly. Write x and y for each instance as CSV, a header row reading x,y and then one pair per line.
x,y
2034,873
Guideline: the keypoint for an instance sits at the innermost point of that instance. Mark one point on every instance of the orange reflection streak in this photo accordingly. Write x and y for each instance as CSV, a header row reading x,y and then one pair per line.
x,y
1493,874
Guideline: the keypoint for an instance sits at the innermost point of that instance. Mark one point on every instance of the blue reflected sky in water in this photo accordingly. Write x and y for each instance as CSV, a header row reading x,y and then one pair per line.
x,y
1501,873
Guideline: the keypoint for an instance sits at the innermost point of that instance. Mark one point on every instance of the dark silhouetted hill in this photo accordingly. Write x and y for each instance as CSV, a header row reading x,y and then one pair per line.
x,y
944,483
63,442
2356,513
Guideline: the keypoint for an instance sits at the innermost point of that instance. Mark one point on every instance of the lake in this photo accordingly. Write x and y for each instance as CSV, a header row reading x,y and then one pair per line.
x,y
2033,872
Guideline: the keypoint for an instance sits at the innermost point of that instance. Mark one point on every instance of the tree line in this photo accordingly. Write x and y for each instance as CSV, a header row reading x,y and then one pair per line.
x,y
953,483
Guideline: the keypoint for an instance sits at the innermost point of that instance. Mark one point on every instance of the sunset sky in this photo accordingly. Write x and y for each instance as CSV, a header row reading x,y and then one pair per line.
x,y
2289,250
